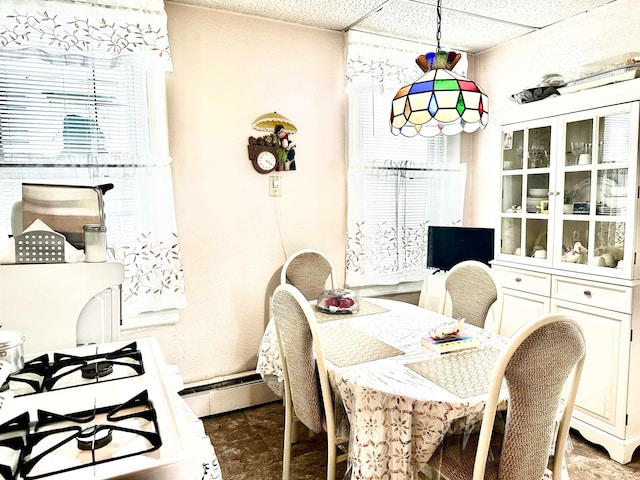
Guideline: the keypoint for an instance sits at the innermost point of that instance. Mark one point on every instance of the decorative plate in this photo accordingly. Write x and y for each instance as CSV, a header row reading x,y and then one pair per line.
x,y
581,191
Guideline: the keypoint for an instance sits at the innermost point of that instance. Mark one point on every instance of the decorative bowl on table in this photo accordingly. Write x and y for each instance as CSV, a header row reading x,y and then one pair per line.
x,y
448,329
338,300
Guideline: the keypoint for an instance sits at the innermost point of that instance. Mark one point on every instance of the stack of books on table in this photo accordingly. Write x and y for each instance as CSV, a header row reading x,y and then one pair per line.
x,y
450,344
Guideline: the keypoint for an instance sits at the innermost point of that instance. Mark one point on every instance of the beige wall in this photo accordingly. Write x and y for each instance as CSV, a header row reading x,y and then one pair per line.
x,y
228,70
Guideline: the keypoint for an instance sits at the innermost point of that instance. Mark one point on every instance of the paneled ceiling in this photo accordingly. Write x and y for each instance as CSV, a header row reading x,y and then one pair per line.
x,y
467,25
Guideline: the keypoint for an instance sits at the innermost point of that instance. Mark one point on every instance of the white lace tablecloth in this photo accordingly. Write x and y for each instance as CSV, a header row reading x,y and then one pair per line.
x,y
398,417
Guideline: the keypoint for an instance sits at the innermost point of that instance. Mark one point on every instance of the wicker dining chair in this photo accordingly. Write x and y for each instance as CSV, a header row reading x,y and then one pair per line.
x,y
431,292
473,290
308,394
542,358
309,271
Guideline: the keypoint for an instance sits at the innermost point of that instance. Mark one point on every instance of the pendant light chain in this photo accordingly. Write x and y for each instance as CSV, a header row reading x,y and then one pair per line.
x,y
439,19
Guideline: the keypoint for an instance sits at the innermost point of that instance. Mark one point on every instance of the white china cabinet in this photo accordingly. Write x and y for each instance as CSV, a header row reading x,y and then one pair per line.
x,y
566,241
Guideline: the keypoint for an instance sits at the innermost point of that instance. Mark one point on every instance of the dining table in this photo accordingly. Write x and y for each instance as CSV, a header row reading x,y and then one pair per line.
x,y
400,397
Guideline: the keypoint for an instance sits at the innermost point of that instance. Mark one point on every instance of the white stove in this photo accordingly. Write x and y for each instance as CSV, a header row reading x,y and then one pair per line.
x,y
107,411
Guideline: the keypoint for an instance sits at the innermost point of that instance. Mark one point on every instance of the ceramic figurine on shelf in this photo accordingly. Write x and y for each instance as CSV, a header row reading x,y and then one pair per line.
x,y
578,254
508,236
289,147
543,207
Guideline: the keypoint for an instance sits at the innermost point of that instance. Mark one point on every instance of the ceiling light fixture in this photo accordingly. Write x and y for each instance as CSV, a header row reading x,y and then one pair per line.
x,y
439,101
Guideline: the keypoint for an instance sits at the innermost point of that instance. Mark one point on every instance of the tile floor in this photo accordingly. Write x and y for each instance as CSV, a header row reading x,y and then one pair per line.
x,y
248,444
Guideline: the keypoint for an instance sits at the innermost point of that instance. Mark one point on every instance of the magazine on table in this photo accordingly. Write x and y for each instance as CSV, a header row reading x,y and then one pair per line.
x,y
449,337
450,344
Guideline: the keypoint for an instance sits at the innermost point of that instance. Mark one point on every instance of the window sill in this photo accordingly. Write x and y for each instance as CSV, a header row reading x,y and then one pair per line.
x,y
150,319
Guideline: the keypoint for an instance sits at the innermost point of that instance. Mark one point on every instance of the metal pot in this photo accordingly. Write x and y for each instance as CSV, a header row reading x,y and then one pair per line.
x,y
11,348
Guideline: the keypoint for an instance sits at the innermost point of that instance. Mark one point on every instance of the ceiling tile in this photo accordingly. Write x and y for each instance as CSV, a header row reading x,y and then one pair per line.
x,y
540,13
328,14
467,25
417,21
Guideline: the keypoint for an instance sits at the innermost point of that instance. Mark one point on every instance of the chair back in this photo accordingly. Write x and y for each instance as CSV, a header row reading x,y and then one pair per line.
x,y
305,374
432,291
473,290
309,271
541,357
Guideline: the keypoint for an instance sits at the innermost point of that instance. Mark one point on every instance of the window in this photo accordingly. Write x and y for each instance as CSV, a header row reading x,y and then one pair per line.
x,y
94,117
397,186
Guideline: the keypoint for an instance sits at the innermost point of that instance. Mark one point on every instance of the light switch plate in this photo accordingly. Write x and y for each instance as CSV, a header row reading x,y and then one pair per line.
x,y
275,186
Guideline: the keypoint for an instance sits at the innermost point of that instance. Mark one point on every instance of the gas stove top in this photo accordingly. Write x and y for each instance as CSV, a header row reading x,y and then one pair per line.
x,y
48,372
96,412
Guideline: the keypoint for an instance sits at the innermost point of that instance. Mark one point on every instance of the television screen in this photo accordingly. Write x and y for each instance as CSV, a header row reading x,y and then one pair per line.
x,y
450,245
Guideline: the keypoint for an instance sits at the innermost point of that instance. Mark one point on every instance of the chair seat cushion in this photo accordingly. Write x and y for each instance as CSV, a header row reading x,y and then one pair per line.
x,y
457,462
455,457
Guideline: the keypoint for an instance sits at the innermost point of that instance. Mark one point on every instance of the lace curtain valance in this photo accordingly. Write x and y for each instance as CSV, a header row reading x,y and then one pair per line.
x,y
66,30
387,62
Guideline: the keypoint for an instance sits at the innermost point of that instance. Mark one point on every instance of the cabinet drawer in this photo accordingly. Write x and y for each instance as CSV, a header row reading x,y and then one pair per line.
x,y
602,295
524,280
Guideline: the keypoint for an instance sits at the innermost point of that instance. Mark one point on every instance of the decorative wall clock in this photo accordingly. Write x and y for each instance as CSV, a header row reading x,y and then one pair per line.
x,y
263,158
274,150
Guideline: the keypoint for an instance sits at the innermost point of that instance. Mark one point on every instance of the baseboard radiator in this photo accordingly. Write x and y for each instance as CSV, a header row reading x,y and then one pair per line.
x,y
227,394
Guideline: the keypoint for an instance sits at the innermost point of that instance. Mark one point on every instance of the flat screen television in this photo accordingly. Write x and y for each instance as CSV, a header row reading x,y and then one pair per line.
x,y
450,245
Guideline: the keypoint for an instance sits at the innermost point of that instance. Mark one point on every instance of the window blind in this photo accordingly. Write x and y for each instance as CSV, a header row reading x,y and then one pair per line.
x,y
73,124
397,187
54,115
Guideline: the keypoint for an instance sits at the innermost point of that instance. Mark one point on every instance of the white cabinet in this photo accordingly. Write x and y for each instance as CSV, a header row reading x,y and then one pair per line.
x,y
520,307
527,294
601,400
607,410
567,242
565,203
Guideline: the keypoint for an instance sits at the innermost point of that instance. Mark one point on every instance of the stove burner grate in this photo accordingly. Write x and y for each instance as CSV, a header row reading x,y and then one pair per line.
x,y
43,374
30,379
56,435
127,361
13,434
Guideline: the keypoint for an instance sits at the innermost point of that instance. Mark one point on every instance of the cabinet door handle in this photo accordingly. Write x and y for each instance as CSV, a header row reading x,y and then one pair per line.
x,y
518,279
587,293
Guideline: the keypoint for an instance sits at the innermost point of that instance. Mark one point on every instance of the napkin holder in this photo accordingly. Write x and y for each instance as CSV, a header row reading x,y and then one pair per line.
x,y
39,246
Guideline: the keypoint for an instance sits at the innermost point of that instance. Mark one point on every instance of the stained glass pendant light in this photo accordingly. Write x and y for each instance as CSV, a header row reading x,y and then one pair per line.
x,y
439,101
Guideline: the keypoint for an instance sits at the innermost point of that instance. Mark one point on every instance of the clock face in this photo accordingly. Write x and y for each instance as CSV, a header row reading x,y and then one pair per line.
x,y
266,161
263,158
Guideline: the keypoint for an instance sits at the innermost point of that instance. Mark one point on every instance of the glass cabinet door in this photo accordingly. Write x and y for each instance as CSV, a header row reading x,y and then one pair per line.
x,y
597,176
525,182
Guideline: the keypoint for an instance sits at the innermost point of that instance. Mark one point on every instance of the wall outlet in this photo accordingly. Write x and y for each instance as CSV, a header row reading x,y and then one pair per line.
x,y
275,186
